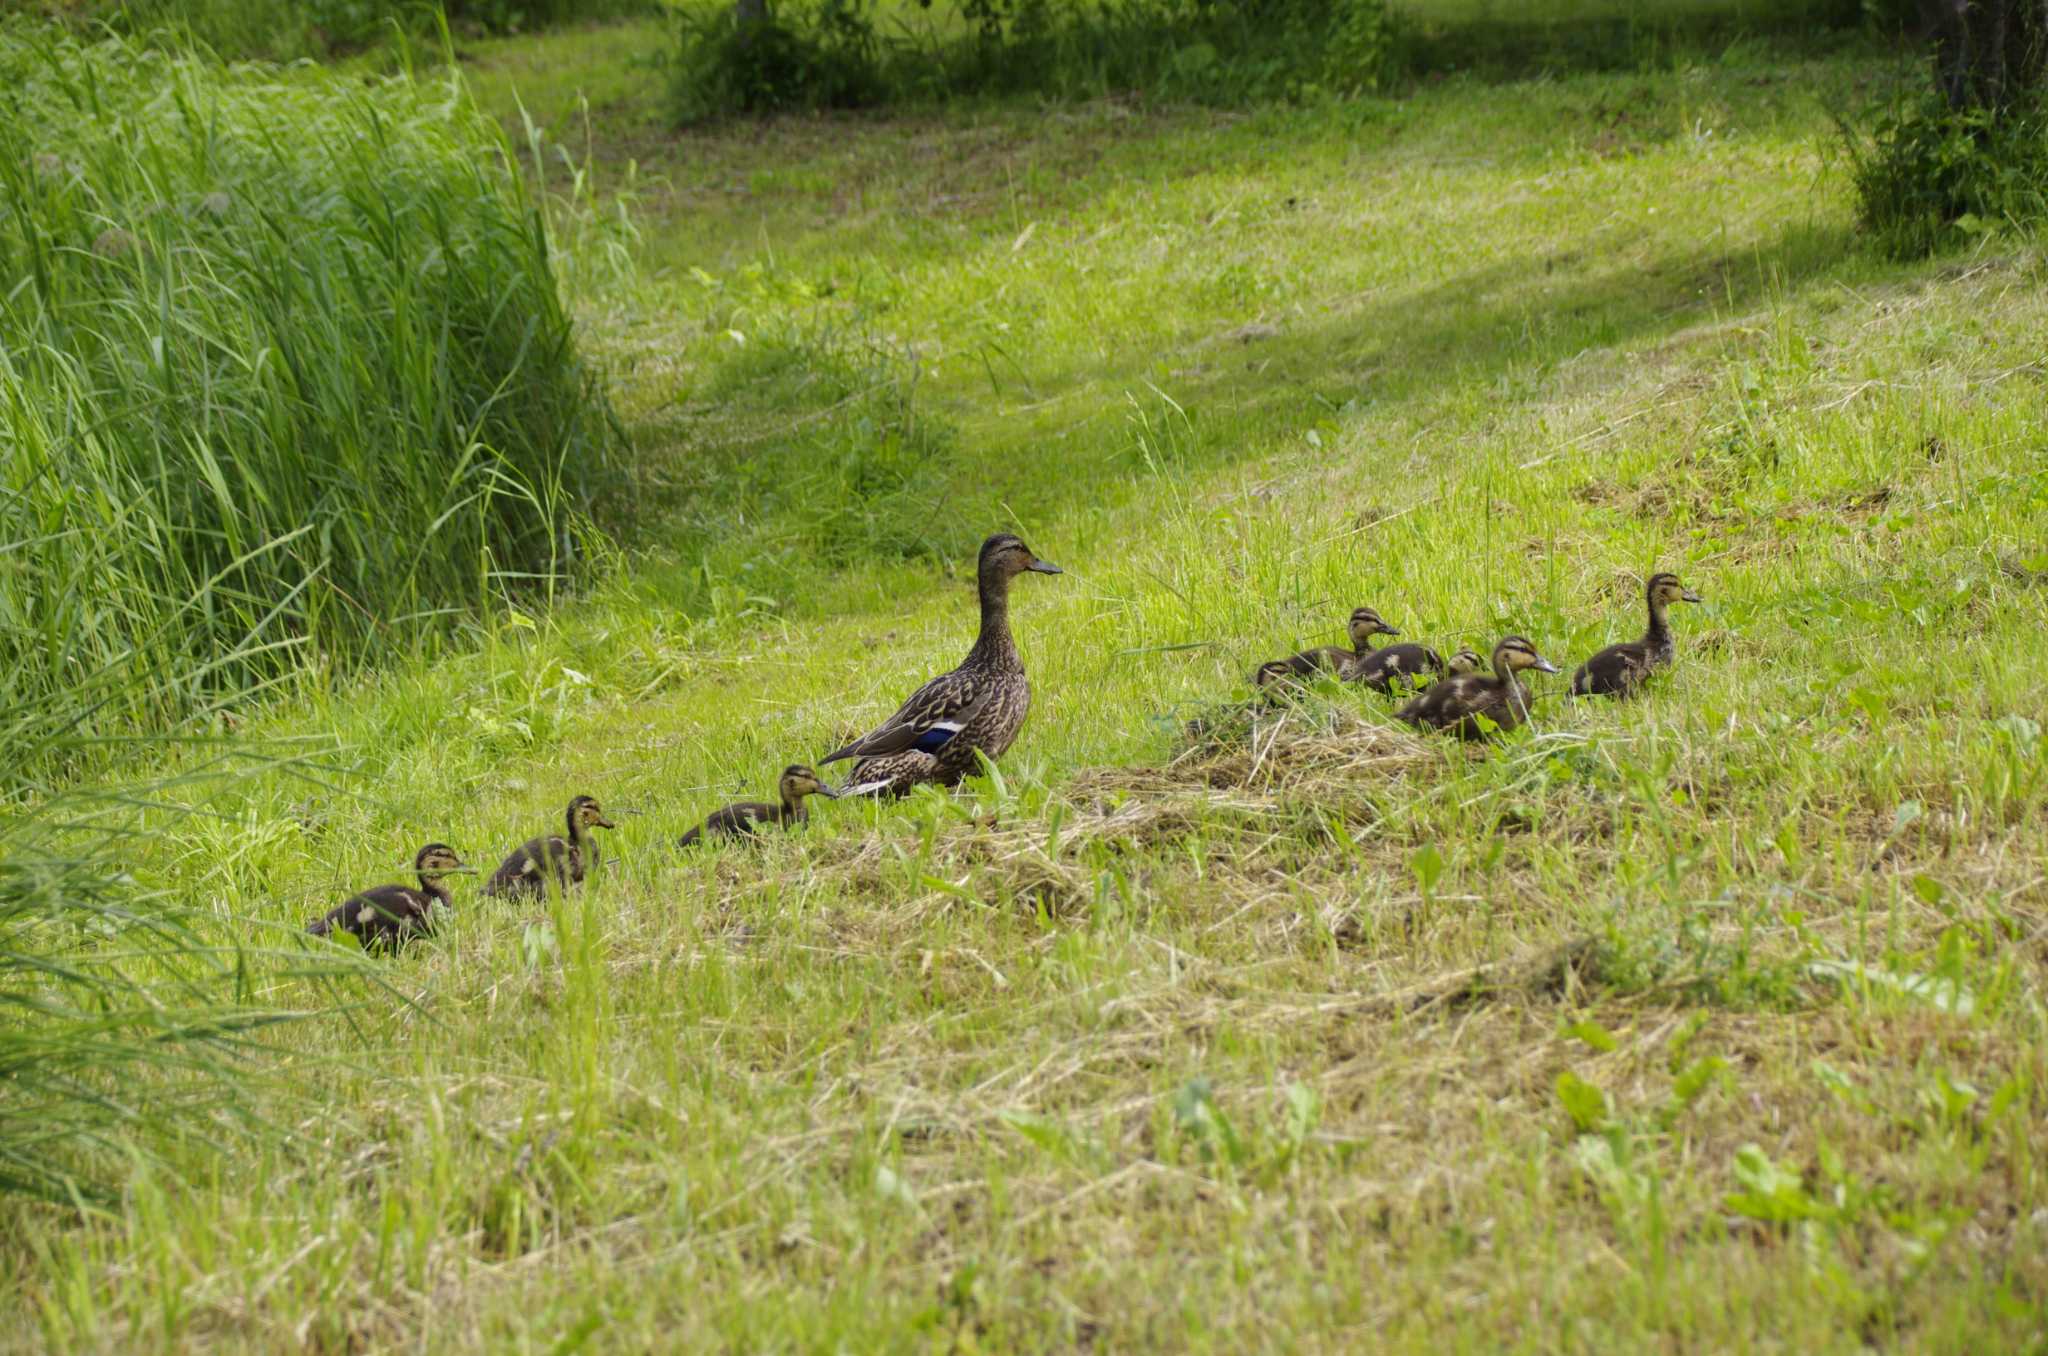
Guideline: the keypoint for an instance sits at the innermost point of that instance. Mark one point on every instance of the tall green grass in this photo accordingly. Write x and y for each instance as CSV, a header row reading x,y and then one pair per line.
x,y
285,382
132,1015
286,30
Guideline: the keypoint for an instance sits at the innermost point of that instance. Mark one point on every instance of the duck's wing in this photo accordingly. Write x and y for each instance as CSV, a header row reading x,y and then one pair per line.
x,y
1443,702
1612,671
935,713
891,775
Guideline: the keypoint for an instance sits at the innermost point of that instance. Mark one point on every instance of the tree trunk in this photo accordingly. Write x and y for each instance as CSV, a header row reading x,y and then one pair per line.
x,y
1987,53
748,15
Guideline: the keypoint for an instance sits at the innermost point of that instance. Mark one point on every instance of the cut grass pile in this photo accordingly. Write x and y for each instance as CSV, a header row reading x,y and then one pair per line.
x,y
286,379
1710,1021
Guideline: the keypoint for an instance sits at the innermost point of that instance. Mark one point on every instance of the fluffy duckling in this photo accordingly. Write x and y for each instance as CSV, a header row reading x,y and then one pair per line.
x,y
1392,668
525,872
1457,704
976,708
1465,661
387,917
1274,671
1363,626
1619,669
743,819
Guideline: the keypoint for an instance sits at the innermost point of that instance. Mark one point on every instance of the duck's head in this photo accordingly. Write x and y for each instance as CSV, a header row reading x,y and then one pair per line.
x,y
1515,653
586,813
1365,624
436,860
1005,556
1465,661
1272,671
1665,588
799,781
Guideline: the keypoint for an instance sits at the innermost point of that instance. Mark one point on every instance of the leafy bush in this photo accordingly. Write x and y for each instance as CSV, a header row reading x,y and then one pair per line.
x,y
283,377
843,54
1933,175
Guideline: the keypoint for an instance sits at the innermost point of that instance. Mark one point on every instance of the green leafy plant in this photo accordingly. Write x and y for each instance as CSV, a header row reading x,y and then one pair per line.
x,y
812,54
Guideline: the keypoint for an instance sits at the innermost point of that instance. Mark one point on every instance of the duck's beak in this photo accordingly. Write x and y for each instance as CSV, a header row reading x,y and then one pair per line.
x,y
1543,665
1691,597
1387,630
603,823
827,792
1045,567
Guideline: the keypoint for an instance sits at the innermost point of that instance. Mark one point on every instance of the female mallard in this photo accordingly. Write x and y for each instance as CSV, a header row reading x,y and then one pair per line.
x,y
1474,705
389,916
525,872
1364,625
1617,670
738,821
977,708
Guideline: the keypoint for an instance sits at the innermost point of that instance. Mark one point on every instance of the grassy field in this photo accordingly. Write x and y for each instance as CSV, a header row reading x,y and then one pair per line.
x,y
1710,1022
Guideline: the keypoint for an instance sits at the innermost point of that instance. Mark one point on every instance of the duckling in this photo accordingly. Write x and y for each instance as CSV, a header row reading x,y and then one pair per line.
x,y
1364,625
741,820
1617,670
976,708
524,872
1393,668
386,917
1465,661
1274,671
1456,704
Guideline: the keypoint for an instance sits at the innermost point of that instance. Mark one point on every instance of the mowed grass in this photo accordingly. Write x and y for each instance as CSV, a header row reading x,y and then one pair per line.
x,y
1708,1022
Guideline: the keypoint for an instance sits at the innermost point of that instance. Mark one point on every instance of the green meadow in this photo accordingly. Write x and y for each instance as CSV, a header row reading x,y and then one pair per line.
x,y
1711,1021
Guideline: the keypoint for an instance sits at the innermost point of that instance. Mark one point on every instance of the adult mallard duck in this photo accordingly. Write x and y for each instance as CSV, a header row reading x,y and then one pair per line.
x,y
1474,705
568,860
1619,669
388,916
738,821
977,708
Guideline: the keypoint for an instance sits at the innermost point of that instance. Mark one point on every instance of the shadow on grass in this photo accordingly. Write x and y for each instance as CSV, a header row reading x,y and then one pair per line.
x,y
1514,41
859,464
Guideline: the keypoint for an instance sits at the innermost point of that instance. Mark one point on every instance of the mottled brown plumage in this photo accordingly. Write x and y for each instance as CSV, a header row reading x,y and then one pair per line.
x,y
1475,705
743,819
568,860
1619,670
387,917
977,708
1363,626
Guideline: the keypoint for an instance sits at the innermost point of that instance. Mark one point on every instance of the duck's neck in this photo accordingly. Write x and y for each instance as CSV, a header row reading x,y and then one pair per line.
x,y
1658,636
792,807
993,647
579,844
1511,685
431,885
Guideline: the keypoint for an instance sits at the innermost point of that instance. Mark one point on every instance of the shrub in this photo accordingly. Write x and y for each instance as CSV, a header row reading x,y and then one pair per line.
x,y
1971,153
1934,175
841,53
283,376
